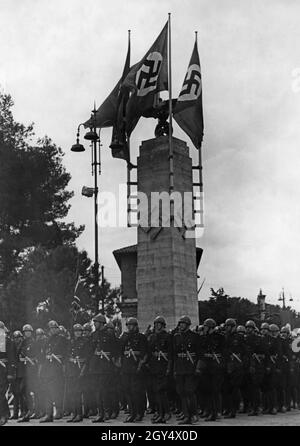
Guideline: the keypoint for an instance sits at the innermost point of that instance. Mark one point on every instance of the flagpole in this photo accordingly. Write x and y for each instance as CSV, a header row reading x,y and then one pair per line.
x,y
171,158
200,166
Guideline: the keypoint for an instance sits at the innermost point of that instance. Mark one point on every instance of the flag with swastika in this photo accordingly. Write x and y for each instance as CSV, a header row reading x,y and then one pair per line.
x,y
188,112
146,79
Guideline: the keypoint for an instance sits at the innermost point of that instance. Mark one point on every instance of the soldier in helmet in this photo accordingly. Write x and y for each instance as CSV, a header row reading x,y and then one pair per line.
x,y
160,363
52,372
76,364
104,354
235,359
134,354
212,355
27,371
257,362
16,384
7,371
284,389
185,356
89,400
39,396
269,383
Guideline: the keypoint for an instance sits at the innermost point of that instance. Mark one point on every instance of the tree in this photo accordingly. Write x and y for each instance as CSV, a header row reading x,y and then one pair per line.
x,y
33,194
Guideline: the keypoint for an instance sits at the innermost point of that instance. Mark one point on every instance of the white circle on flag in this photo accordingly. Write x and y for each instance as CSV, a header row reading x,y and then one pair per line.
x,y
192,86
147,75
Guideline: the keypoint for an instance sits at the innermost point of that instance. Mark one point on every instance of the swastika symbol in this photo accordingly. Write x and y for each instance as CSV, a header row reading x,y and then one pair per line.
x,y
191,88
147,75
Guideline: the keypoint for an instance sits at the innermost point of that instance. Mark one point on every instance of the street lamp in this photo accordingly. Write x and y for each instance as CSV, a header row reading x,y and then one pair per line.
x,y
94,138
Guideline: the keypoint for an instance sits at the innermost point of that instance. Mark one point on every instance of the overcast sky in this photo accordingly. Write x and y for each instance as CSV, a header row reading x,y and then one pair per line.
x,y
57,57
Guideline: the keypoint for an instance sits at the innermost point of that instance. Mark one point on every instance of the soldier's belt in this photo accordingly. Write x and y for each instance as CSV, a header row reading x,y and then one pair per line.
x,y
213,355
27,359
236,356
160,355
258,356
133,353
185,355
57,358
103,354
77,360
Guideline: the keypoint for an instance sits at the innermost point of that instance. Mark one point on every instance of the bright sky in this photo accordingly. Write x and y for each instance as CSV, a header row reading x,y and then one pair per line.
x,y
58,57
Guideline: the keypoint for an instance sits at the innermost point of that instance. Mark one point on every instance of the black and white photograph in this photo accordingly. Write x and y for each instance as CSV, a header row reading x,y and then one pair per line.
x,y
149,216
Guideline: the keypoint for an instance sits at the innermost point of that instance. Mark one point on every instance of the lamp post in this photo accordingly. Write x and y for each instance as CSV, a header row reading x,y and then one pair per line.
x,y
94,138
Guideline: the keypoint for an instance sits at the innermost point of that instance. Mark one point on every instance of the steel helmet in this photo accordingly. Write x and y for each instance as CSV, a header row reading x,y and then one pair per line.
x,y
185,319
100,318
250,324
17,334
210,323
39,331
87,327
132,321
274,328
77,327
2,325
53,324
264,326
241,329
27,327
230,322
285,330
160,320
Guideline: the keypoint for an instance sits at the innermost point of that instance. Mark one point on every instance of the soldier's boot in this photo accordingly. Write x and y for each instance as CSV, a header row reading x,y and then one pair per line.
x,y
3,420
78,418
58,415
129,419
25,418
46,419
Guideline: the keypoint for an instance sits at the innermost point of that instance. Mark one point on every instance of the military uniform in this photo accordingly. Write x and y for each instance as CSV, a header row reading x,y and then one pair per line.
x,y
212,366
134,349
185,356
257,359
272,374
76,365
52,374
7,372
104,351
27,372
160,362
284,388
234,373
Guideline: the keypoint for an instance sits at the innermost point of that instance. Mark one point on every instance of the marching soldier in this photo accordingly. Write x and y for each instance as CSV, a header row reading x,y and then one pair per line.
x,y
7,371
235,357
76,365
27,371
211,366
104,353
160,363
185,354
134,349
52,372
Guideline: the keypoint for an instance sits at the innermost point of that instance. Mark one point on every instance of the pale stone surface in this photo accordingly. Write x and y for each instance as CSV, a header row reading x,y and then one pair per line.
x,y
166,265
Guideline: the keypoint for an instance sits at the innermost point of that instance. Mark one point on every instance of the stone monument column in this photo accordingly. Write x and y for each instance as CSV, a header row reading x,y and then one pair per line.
x,y
166,276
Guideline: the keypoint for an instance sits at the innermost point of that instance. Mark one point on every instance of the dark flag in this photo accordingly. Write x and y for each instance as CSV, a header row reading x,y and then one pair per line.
x,y
106,115
119,145
188,112
146,79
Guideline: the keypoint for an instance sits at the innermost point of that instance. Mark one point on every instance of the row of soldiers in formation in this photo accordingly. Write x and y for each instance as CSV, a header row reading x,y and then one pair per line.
x,y
208,372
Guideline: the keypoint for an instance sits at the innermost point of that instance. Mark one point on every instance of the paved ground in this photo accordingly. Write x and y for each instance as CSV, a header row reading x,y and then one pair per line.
x,y
288,419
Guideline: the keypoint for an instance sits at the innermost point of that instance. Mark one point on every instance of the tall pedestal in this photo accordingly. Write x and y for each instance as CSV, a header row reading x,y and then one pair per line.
x,y
166,275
